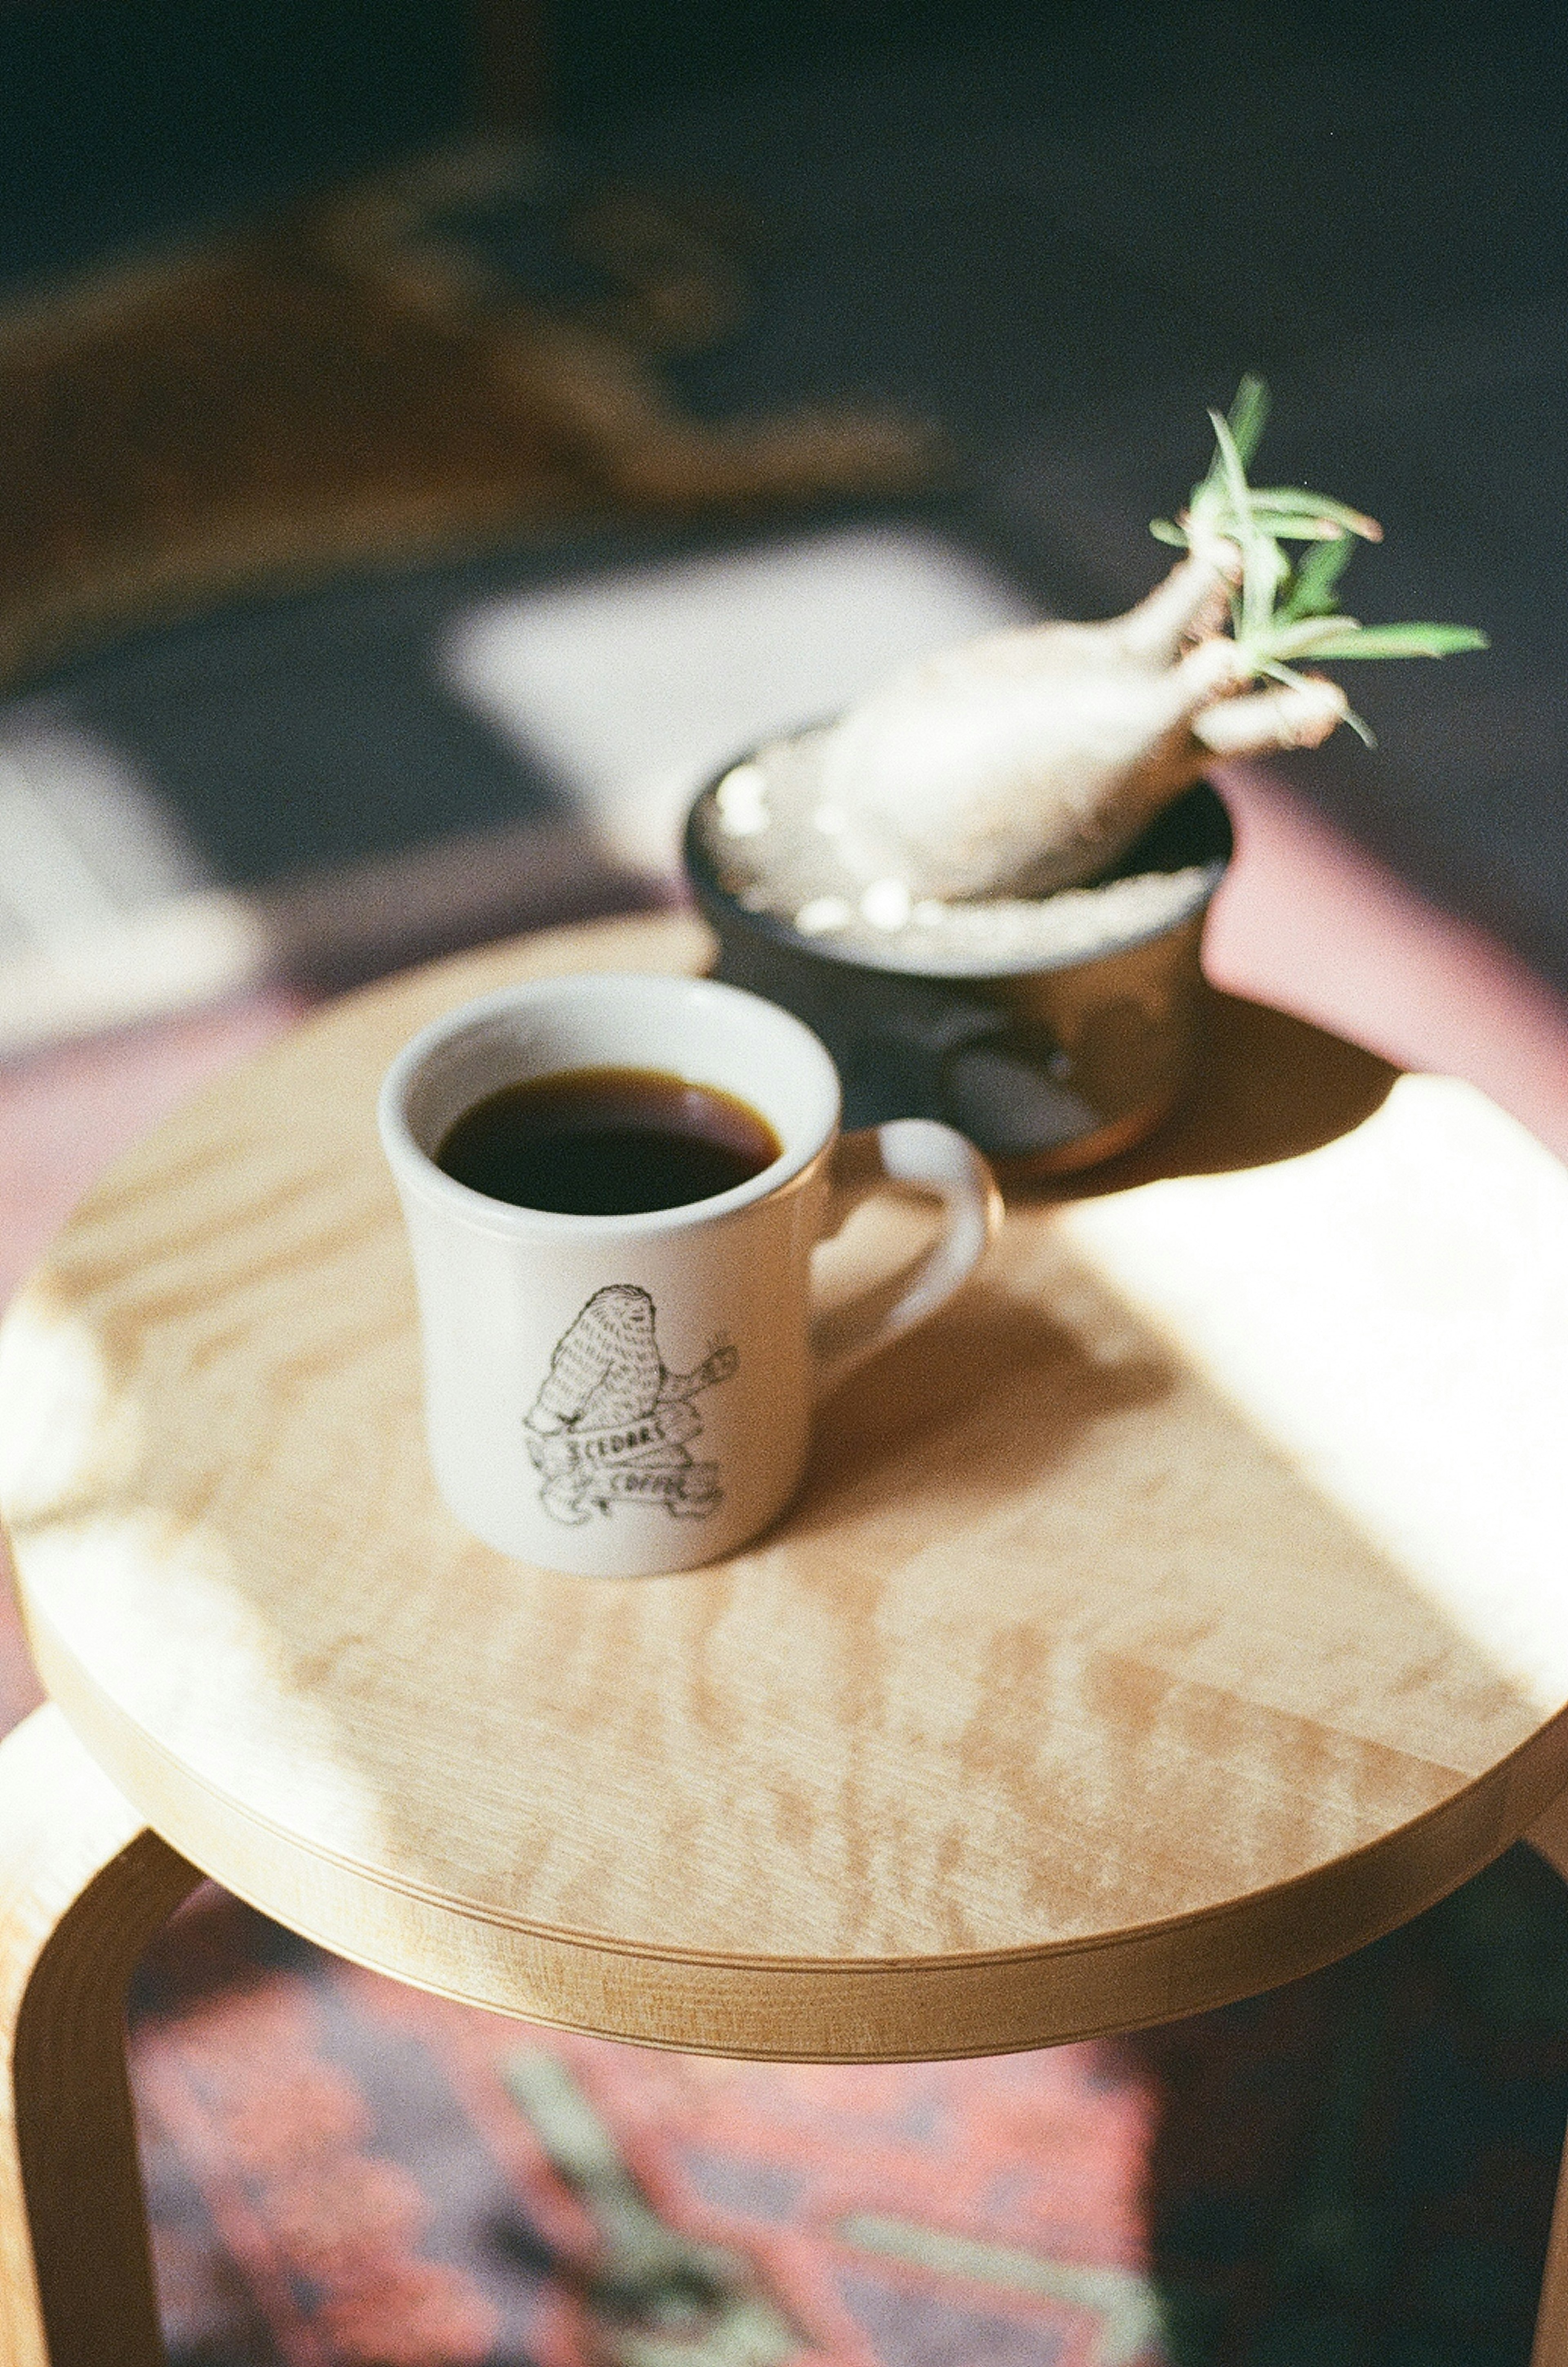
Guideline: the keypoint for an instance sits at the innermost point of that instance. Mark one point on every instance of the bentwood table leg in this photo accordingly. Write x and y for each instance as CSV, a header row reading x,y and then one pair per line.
x,y
83,1884
1550,1837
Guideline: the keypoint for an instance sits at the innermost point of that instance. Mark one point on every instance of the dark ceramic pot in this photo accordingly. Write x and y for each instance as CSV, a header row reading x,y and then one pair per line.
x,y
1045,1067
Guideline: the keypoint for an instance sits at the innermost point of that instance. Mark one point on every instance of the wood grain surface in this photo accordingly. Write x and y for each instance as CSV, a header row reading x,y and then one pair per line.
x,y
1178,1611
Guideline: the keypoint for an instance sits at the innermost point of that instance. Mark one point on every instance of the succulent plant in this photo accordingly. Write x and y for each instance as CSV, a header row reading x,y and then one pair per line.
x,y
1029,761
1284,608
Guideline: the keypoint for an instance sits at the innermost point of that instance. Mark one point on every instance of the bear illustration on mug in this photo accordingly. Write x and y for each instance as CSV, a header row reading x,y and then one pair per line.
x,y
612,1424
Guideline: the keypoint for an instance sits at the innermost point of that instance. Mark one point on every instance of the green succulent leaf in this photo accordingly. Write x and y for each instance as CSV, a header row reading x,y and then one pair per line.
x,y
1310,637
1287,527
1248,416
1312,593
1263,565
1230,467
1284,608
1401,642
1297,500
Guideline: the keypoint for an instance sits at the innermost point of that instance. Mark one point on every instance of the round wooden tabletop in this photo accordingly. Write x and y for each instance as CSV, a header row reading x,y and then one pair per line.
x,y
1181,1608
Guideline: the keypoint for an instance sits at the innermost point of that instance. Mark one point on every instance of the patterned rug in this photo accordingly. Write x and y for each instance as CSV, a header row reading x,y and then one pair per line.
x,y
468,347
1355,2168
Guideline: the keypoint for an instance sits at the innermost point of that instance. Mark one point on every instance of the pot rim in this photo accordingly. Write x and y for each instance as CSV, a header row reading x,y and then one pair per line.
x,y
1201,799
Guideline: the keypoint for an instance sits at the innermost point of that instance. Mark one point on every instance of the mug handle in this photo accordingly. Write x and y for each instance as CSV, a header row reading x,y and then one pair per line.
x,y
933,1158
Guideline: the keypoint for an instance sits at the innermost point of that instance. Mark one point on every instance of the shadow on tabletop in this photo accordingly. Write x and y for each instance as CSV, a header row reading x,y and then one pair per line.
x,y
1268,1086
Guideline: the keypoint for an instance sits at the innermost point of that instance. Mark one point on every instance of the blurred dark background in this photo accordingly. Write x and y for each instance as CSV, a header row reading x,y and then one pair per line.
x,y
1057,233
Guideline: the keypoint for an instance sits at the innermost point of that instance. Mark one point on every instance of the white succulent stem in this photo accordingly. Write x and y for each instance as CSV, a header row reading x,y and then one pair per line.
x,y
1029,761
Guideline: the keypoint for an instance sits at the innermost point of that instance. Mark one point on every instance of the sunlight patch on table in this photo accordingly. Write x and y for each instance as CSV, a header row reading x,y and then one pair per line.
x,y
120,1581
1372,1307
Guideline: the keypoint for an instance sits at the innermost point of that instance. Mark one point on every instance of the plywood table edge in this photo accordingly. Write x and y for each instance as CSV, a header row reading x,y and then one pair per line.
x,y
811,2009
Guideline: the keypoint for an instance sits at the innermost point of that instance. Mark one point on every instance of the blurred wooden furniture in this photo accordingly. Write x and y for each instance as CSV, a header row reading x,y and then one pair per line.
x,y
1179,1611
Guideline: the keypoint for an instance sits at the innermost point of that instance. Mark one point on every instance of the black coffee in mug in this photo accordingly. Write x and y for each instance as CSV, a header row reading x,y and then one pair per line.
x,y
608,1142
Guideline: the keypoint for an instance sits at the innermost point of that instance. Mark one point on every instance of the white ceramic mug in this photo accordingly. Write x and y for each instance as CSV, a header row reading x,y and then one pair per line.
x,y
624,1395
